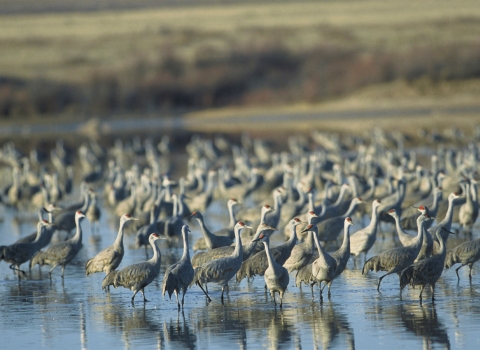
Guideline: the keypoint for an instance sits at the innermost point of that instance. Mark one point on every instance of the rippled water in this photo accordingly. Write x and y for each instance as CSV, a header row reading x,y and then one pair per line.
x,y
75,313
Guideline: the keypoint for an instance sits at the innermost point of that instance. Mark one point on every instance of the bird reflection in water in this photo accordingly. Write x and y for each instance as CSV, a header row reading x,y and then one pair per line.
x,y
424,322
134,323
280,333
179,332
328,324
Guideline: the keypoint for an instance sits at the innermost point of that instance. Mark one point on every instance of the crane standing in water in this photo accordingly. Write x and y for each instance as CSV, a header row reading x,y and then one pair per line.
x,y
137,276
179,275
61,253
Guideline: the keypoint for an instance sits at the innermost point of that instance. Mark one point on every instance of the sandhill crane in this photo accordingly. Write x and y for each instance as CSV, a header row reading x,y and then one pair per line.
x,y
108,259
61,253
444,226
301,253
340,256
276,276
362,240
407,239
223,269
93,214
137,276
212,241
179,275
410,214
19,253
469,210
143,233
426,271
49,230
395,260
329,229
66,219
228,231
466,254
323,268
248,249
258,263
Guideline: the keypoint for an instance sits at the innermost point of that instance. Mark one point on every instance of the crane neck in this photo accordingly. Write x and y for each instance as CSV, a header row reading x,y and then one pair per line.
x,y
374,220
346,238
156,258
447,221
206,233
186,251
78,234
238,252
321,252
421,230
351,208
232,216
86,203
119,240
293,240
271,261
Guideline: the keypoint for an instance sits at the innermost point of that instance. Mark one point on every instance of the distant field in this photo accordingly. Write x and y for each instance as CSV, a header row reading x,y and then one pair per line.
x,y
195,56
68,46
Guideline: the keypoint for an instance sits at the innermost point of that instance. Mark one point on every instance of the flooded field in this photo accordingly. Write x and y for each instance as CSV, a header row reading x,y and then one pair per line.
x,y
75,313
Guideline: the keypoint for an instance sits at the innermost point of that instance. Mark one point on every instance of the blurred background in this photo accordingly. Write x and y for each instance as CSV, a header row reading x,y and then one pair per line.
x,y
113,60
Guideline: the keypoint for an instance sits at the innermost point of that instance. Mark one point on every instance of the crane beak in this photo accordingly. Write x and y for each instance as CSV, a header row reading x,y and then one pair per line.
x,y
452,233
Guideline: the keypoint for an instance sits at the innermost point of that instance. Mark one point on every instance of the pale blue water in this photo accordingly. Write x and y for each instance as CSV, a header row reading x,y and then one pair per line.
x,y
37,314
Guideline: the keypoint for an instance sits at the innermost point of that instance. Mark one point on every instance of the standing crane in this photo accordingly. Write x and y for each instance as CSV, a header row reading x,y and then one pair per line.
x,y
276,276
466,253
395,260
179,275
223,269
61,253
427,271
19,253
108,259
258,263
137,276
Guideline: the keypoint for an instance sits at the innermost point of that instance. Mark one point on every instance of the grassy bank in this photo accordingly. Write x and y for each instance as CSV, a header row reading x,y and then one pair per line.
x,y
197,57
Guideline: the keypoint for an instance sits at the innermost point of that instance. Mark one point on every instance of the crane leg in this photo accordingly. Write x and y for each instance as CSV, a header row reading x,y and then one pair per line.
x,y
456,270
281,299
133,296
433,292
143,293
311,288
15,268
178,302
421,291
274,301
223,288
470,273
63,270
183,295
51,270
329,286
198,284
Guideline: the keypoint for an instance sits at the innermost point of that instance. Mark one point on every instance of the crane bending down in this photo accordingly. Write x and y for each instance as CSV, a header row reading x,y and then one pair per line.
x,y
179,275
61,253
137,276
395,260
108,259
276,276
427,271
223,269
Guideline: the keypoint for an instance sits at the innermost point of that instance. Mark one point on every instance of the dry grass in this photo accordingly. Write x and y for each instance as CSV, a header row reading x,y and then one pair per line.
x,y
69,46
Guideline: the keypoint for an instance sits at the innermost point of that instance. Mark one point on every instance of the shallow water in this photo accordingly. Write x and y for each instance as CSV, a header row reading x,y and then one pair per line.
x,y
37,313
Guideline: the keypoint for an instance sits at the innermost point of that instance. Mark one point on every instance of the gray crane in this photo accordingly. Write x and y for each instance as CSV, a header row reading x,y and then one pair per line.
x,y
212,241
427,271
93,214
469,210
66,219
362,240
49,230
137,276
143,233
223,269
410,214
301,253
248,249
466,254
323,268
340,256
395,260
61,253
19,253
330,229
179,275
407,239
108,259
258,263
444,226
228,231
275,276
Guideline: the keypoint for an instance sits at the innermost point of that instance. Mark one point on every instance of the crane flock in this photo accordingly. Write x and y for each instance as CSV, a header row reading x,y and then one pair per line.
x,y
330,183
